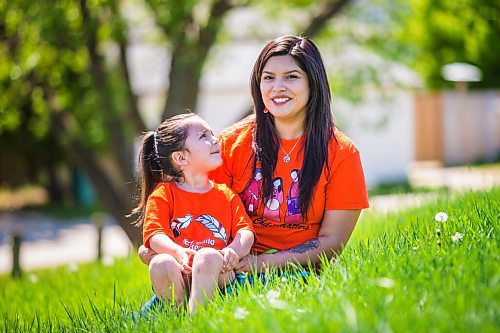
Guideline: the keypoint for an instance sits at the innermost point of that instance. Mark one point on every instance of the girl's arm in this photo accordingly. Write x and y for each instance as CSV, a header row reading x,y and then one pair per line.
x,y
161,243
239,247
242,242
335,231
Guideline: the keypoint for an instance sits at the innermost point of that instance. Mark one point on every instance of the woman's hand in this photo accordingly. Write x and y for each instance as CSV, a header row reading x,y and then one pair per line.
x,y
247,264
231,259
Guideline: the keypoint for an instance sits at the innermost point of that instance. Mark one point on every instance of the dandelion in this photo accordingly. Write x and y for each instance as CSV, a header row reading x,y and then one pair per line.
x,y
385,282
33,278
438,232
272,297
284,279
457,237
240,313
108,261
272,294
72,267
441,217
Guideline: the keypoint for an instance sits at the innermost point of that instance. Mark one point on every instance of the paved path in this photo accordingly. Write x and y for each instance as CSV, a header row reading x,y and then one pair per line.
x,y
48,242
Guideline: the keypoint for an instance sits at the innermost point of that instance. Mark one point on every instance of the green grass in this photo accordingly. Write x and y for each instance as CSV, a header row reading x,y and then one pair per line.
x,y
402,188
392,277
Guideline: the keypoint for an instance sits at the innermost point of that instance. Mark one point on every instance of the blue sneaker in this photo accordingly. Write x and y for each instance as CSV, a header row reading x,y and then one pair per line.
x,y
147,308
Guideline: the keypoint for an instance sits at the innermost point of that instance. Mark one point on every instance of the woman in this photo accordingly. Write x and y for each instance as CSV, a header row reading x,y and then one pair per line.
x,y
290,139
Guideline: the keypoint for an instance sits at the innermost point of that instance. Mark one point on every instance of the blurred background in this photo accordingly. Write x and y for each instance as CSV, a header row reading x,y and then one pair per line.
x,y
415,84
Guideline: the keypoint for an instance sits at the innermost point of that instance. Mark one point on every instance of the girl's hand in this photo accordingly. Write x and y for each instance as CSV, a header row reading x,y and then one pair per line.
x,y
231,259
185,258
146,254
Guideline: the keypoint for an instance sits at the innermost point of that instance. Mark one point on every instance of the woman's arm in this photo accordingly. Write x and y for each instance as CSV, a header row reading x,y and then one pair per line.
x,y
336,229
242,242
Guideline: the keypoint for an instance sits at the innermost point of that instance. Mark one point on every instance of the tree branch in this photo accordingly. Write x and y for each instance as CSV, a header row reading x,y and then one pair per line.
x,y
120,149
329,10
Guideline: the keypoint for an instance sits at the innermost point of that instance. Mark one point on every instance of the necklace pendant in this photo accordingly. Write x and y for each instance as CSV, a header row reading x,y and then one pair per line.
x,y
286,159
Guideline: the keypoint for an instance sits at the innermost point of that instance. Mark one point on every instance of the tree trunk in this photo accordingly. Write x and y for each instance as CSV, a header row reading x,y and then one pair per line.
x,y
184,76
115,195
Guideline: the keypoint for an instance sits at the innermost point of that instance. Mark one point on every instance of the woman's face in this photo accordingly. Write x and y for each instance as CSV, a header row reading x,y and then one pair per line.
x,y
285,88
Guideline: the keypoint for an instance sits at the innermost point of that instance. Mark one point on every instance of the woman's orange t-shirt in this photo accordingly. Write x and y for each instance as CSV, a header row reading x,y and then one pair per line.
x,y
278,222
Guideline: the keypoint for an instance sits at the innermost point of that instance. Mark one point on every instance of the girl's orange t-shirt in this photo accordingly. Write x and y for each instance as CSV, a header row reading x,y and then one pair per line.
x,y
278,222
195,220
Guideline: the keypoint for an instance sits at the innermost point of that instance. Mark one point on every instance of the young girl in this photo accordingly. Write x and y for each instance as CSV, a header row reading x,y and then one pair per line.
x,y
198,228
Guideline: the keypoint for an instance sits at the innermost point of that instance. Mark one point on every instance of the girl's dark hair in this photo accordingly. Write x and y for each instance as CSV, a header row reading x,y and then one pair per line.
x,y
155,157
319,125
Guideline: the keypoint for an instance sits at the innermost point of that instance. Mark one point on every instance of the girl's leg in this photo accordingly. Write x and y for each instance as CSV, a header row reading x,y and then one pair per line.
x,y
225,279
166,277
146,254
207,264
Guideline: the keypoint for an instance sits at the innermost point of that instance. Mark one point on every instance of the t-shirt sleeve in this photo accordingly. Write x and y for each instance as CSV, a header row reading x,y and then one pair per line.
x,y
222,175
240,218
346,188
155,218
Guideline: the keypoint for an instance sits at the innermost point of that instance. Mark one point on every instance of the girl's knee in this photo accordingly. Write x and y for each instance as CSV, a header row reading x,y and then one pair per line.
x,y
209,258
164,265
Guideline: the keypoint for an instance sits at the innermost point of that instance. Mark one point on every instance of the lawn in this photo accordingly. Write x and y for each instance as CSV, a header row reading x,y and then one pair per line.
x,y
401,272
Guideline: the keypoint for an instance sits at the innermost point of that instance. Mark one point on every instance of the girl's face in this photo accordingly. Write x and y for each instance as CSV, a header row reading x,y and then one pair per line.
x,y
202,147
284,87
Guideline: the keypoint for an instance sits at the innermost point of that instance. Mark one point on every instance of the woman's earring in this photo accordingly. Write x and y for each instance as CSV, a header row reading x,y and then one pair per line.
x,y
266,110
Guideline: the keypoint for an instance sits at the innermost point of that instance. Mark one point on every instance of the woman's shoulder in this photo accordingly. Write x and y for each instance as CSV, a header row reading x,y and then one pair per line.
x,y
224,190
342,144
239,133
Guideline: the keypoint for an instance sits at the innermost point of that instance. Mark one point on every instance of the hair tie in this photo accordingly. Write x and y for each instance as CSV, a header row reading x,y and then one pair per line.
x,y
155,143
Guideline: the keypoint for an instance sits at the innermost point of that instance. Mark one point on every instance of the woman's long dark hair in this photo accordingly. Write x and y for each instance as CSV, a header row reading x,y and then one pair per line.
x,y
319,125
155,158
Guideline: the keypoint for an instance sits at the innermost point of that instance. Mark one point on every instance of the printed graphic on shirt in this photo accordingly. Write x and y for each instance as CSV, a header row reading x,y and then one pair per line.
x,y
293,211
272,206
180,223
214,226
209,222
250,196
273,203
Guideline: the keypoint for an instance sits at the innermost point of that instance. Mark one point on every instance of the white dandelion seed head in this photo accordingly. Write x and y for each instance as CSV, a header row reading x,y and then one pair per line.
x,y
385,282
240,313
441,217
72,267
457,237
278,304
274,301
272,294
108,261
33,278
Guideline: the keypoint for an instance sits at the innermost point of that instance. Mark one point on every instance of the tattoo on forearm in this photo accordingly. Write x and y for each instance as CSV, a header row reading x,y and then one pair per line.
x,y
309,245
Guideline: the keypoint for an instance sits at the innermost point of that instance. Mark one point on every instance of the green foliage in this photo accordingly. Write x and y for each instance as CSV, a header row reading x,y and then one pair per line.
x,y
442,32
393,276
46,66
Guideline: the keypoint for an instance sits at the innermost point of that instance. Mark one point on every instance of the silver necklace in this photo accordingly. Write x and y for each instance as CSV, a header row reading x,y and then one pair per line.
x,y
286,158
